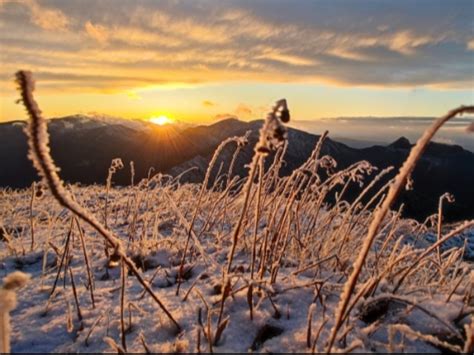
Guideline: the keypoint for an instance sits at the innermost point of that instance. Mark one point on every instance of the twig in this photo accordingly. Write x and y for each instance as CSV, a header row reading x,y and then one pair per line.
x,y
39,152
382,211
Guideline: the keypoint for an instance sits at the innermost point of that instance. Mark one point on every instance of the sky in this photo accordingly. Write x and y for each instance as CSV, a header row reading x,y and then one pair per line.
x,y
361,132
201,61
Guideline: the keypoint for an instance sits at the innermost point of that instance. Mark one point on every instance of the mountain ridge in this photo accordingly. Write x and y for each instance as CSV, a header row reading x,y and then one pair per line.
x,y
84,151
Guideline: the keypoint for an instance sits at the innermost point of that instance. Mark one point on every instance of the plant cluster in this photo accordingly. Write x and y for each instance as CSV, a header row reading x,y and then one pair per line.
x,y
258,263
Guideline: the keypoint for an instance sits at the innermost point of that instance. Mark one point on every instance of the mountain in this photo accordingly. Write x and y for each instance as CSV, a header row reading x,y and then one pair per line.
x,y
357,143
83,147
363,132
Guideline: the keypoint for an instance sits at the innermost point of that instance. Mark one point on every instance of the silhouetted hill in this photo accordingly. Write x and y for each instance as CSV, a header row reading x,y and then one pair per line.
x,y
84,146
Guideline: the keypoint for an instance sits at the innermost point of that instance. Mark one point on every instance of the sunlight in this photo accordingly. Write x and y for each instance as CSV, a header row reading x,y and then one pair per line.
x,y
161,120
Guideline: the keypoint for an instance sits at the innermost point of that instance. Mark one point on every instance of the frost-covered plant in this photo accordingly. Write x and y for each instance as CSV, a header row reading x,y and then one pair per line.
x,y
39,153
132,173
219,149
272,135
115,165
381,212
258,241
11,283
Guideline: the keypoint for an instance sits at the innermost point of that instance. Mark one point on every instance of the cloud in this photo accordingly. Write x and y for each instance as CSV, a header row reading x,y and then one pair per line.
x,y
100,33
470,45
46,18
287,59
130,35
444,140
224,116
374,129
371,44
243,111
208,103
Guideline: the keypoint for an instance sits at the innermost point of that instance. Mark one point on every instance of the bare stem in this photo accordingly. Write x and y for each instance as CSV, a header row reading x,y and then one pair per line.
x,y
39,153
382,211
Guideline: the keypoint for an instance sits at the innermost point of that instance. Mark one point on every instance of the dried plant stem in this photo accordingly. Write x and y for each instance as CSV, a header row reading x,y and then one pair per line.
x,y
451,293
311,309
318,333
247,188
86,259
32,221
198,205
184,222
355,203
8,302
198,341
123,270
76,299
63,257
39,152
439,226
381,212
4,328
250,300
434,246
96,323
271,135
257,217
404,329
132,173
423,309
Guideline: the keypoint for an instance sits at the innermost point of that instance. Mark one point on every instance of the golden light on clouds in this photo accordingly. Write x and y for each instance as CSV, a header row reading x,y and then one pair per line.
x,y
146,50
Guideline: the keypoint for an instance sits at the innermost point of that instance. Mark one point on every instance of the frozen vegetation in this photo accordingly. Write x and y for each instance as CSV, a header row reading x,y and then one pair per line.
x,y
260,263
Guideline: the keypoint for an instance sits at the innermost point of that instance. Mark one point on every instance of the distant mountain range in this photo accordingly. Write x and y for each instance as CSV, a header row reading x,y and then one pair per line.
x,y
362,132
83,147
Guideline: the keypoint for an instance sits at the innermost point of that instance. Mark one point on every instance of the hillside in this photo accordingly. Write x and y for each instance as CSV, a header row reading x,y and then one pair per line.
x,y
83,148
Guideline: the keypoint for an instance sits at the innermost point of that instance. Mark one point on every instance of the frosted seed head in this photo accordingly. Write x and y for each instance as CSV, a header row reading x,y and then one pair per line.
x,y
285,116
244,140
328,162
273,133
117,164
263,150
409,184
448,197
15,280
40,190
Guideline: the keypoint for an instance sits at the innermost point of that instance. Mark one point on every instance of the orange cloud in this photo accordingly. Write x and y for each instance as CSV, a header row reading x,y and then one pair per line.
x,y
243,111
130,35
46,18
152,44
208,103
470,45
285,58
97,32
224,116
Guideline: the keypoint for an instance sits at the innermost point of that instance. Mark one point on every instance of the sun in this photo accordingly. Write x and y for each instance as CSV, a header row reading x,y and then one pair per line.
x,y
161,120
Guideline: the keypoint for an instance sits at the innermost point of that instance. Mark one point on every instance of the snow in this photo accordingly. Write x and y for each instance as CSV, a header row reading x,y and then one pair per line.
x,y
463,240
151,232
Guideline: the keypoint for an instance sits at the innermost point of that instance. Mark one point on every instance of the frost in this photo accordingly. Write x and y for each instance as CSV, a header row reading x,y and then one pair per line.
x,y
15,280
265,263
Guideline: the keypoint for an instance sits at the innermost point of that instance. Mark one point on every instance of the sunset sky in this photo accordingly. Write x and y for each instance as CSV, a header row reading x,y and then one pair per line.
x,y
199,61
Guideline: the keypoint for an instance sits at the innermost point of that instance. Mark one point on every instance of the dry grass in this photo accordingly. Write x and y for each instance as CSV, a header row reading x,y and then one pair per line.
x,y
260,239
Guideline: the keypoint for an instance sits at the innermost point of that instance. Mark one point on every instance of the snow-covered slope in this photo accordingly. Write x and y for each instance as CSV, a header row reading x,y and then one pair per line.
x,y
424,315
